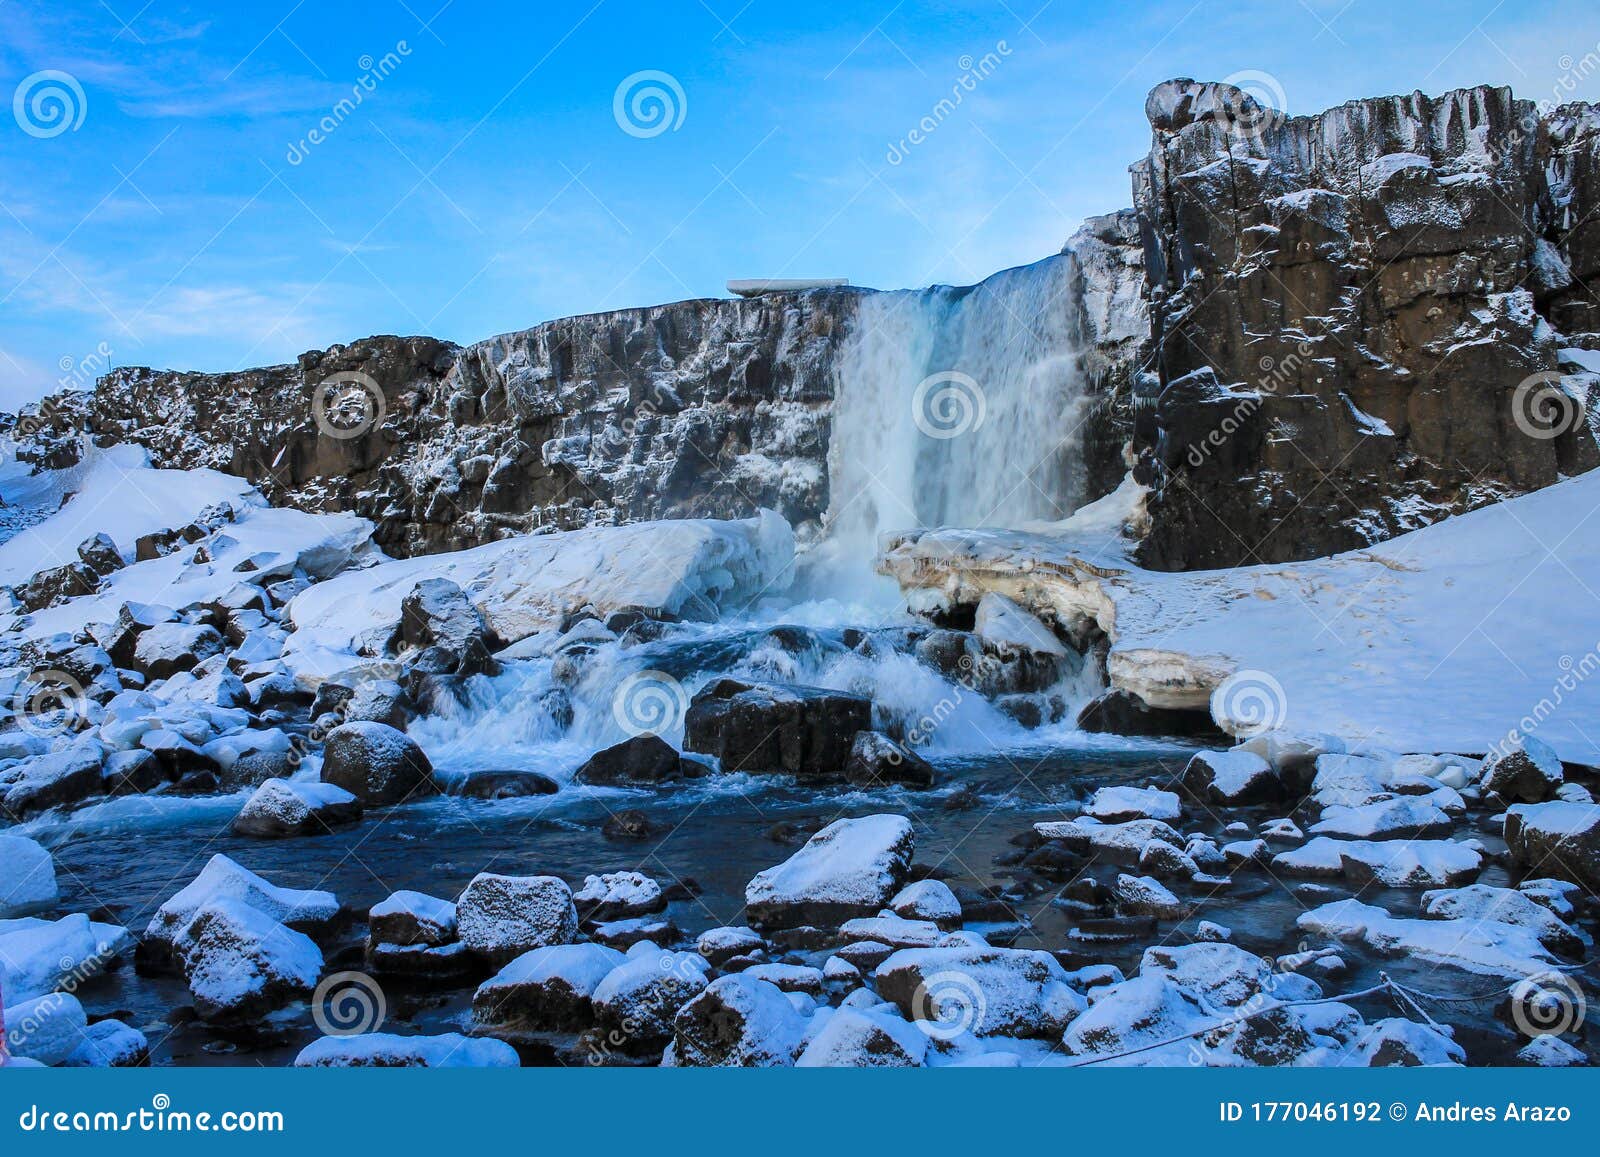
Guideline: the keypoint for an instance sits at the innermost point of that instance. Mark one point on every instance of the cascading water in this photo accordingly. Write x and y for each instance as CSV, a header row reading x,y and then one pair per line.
x,y
958,407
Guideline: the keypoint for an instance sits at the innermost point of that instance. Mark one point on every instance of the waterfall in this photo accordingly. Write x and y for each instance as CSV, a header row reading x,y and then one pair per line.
x,y
958,407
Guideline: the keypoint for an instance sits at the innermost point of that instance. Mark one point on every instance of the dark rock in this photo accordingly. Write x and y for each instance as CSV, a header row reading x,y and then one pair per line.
x,y
502,785
643,759
133,772
1124,713
1308,274
775,727
52,780
876,761
280,809
56,585
156,544
377,764
1527,772
438,614
100,554
631,824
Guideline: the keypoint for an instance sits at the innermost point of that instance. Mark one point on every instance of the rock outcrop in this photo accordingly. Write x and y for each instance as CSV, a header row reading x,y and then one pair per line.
x,y
1351,313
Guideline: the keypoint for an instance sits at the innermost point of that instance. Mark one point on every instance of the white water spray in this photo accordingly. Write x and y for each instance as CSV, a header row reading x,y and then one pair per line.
x,y
959,407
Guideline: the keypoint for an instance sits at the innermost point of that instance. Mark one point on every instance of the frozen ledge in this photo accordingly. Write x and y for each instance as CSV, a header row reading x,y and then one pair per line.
x,y
1451,638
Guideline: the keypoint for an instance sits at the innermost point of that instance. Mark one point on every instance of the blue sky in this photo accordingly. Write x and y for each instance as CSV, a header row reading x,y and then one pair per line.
x,y
484,182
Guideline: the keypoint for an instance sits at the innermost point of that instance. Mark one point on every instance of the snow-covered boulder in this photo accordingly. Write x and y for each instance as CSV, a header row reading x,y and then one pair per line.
x,y
1556,839
638,1001
241,964
1222,975
376,763
895,931
437,613
312,912
109,1044
617,896
1145,896
40,956
1397,1042
852,867
719,945
1115,805
284,807
1551,1052
1506,906
738,1022
1525,772
501,917
46,1029
849,1038
1407,817
1392,863
1124,842
544,990
985,991
789,977
382,1050
930,900
1137,1013
27,876
410,918
52,780
1482,947
1232,778
168,648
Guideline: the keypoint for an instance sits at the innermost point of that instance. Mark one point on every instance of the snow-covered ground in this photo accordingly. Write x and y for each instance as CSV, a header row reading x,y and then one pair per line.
x,y
1444,639
694,568
114,491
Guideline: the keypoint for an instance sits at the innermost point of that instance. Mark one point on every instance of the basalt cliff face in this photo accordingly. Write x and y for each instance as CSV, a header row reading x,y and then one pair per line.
x,y
1356,316
1307,335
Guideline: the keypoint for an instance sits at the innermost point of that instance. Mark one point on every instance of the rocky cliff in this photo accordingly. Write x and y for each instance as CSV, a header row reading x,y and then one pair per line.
x,y
1352,316
699,408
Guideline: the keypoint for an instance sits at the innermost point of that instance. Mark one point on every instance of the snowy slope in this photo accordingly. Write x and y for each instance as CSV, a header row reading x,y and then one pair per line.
x,y
689,567
1443,639
115,492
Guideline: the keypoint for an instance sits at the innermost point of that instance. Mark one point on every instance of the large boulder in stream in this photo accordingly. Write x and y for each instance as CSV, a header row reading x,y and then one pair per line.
x,y
775,727
377,764
850,868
